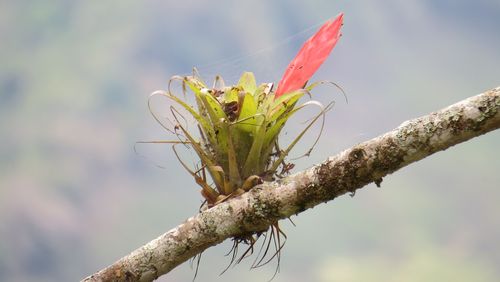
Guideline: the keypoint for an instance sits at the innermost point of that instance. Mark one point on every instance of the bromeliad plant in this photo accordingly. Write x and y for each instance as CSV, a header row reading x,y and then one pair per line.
x,y
239,125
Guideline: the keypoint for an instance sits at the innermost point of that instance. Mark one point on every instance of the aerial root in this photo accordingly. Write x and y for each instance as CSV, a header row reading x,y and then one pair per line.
x,y
274,237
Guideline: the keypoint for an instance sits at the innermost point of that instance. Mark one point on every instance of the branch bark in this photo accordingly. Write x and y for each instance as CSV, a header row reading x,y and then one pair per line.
x,y
346,172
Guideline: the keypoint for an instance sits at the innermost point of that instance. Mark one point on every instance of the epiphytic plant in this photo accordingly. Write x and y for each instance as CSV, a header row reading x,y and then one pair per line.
x,y
239,125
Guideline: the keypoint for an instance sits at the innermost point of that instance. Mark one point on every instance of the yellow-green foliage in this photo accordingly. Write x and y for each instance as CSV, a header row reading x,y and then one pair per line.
x,y
239,128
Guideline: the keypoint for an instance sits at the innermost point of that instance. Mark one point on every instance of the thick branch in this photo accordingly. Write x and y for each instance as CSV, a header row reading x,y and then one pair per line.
x,y
346,172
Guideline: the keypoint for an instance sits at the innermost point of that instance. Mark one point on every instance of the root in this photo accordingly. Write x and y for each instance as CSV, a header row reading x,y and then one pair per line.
x,y
272,238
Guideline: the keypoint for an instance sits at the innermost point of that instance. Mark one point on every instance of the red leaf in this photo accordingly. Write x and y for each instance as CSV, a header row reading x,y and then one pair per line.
x,y
310,57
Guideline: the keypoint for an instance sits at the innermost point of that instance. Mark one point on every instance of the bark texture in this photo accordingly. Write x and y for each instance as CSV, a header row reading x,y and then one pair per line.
x,y
346,172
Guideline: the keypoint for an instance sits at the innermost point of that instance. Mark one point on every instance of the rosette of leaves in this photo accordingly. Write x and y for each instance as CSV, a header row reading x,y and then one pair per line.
x,y
238,127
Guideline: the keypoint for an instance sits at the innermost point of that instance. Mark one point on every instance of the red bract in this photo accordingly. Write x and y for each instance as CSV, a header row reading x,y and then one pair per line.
x,y
310,57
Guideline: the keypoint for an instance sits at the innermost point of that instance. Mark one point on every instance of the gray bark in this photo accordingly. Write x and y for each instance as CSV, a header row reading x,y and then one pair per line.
x,y
346,172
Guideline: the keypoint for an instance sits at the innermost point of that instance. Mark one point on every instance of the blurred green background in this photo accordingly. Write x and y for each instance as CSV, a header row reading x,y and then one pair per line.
x,y
74,81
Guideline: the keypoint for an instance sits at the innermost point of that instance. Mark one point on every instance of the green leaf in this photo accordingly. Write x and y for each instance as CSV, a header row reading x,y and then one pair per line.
x,y
252,165
296,140
234,174
262,92
284,103
204,122
247,82
247,119
205,158
219,126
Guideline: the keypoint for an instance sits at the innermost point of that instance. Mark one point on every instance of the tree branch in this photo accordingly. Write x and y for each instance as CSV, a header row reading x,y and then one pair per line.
x,y
346,172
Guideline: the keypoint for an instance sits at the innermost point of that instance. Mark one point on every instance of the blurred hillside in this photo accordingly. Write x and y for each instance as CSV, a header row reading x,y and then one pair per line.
x,y
74,82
